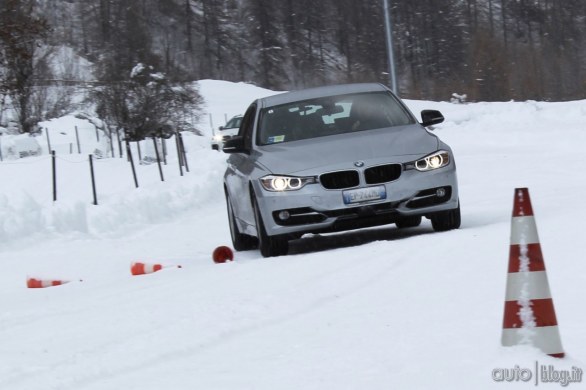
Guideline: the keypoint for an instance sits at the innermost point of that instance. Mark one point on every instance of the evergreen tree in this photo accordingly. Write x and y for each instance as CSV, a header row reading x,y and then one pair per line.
x,y
265,32
488,49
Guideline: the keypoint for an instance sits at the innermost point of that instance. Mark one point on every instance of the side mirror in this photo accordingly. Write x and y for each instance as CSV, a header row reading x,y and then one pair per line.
x,y
431,117
234,145
221,128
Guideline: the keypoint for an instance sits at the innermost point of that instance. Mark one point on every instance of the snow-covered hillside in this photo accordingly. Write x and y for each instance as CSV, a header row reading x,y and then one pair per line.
x,y
371,309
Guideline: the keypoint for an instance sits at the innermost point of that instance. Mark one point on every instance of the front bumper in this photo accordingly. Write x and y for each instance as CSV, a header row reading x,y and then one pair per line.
x,y
314,209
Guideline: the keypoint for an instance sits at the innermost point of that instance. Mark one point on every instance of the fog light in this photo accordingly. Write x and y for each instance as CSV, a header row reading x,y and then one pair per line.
x,y
440,192
284,215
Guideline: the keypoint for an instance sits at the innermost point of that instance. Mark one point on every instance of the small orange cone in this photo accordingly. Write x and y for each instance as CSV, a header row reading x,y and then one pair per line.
x,y
138,268
222,254
40,283
529,317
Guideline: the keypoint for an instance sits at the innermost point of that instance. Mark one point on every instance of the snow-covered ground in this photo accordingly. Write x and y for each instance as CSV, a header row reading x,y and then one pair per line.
x,y
374,309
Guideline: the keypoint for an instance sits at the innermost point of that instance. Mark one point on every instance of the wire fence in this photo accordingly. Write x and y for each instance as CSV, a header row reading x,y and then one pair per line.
x,y
81,140
160,158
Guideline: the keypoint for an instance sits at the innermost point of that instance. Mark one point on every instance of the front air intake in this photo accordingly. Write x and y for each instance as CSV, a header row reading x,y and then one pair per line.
x,y
382,173
339,180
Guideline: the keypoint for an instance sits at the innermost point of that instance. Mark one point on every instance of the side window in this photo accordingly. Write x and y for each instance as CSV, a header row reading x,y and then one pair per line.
x,y
246,128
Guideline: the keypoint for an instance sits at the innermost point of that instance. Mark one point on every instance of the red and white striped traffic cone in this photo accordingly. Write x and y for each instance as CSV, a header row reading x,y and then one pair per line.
x,y
42,283
138,268
529,317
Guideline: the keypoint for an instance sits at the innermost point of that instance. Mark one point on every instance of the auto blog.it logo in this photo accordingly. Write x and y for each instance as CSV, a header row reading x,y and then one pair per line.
x,y
538,374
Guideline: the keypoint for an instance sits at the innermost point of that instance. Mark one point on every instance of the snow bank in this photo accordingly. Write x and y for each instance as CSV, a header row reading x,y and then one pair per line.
x,y
27,207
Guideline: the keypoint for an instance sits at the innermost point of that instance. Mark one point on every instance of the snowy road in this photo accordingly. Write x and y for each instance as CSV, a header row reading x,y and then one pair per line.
x,y
373,309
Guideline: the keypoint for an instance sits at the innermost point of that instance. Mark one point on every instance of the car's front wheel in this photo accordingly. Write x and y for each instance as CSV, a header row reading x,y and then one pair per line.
x,y
269,245
241,242
446,220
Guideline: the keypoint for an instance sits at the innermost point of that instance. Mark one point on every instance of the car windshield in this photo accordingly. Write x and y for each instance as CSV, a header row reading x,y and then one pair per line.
x,y
329,116
233,123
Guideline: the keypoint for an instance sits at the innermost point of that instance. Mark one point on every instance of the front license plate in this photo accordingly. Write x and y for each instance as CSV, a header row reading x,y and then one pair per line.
x,y
364,194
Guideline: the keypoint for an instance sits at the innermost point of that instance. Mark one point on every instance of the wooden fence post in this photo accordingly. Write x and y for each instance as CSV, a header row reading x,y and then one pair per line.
x,y
54,169
93,179
77,139
132,164
158,159
48,140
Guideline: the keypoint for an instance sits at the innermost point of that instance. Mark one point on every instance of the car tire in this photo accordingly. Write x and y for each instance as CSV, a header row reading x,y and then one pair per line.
x,y
408,222
241,242
446,220
269,246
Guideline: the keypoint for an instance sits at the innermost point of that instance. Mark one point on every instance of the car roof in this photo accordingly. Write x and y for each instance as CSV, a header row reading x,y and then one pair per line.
x,y
310,93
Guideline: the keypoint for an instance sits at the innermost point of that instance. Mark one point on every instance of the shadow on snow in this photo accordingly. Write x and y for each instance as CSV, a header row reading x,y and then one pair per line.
x,y
324,242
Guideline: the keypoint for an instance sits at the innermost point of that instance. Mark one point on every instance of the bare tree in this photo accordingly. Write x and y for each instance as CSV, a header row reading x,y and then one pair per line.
x,y
21,33
148,104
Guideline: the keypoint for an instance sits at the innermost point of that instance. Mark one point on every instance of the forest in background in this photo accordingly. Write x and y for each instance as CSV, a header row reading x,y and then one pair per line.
x,y
487,49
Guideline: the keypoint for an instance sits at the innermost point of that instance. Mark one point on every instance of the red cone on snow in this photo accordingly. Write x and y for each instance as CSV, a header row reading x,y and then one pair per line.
x,y
529,317
42,283
222,254
138,268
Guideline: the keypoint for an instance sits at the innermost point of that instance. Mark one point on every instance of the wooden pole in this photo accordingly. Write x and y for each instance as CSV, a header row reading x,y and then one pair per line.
x,y
132,165
182,145
119,142
111,142
54,169
48,140
77,138
139,153
93,179
158,159
179,156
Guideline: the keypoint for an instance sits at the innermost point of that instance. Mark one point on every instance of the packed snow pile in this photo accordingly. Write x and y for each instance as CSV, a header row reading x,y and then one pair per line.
x,y
373,309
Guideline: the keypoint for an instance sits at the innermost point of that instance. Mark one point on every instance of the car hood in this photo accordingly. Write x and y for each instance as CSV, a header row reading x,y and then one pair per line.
x,y
313,156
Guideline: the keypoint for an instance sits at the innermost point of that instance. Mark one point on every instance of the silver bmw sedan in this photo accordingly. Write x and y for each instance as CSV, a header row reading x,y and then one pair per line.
x,y
335,158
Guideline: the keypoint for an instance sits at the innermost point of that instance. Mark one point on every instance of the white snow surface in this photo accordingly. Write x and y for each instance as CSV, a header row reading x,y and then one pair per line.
x,y
372,309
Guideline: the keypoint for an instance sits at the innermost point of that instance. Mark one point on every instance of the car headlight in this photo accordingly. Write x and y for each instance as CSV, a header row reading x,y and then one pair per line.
x,y
218,138
433,161
285,183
